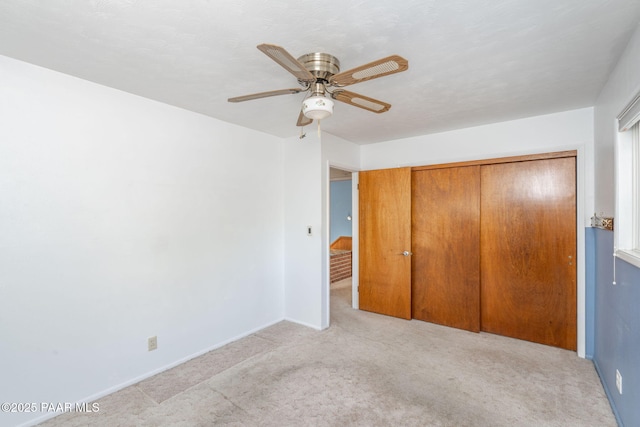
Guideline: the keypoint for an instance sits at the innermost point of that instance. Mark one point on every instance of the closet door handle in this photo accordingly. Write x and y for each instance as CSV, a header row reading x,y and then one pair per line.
x,y
406,253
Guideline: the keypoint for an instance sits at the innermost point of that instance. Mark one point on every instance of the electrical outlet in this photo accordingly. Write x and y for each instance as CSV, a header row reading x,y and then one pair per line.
x,y
152,343
619,381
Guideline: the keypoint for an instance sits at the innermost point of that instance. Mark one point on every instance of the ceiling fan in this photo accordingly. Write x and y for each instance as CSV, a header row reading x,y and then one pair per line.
x,y
319,75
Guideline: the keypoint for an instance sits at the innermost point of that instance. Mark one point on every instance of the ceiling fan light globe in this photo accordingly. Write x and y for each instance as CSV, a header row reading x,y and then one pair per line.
x,y
317,107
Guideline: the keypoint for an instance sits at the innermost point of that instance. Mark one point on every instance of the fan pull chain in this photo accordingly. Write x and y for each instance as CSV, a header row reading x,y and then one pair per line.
x,y
319,132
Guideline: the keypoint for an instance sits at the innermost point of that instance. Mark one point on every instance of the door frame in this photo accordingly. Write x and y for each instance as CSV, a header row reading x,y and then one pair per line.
x,y
582,152
355,241
326,239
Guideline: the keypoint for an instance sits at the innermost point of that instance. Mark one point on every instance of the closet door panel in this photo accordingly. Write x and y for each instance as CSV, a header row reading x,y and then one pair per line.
x,y
528,251
446,252
385,234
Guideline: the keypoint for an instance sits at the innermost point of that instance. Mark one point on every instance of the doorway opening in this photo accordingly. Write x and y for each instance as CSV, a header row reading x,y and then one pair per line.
x,y
341,223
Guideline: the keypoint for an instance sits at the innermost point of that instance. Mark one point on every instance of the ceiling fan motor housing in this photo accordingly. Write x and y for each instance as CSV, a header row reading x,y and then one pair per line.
x,y
321,65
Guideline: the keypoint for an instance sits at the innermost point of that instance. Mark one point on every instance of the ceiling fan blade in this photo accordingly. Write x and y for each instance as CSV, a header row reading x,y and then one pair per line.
x,y
382,67
303,120
361,101
288,62
265,94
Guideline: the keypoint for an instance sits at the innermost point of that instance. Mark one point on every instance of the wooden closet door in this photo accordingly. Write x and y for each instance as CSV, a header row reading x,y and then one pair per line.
x,y
385,233
528,251
446,246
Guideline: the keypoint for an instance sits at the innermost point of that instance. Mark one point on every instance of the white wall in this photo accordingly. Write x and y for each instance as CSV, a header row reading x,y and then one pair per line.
x,y
307,163
303,257
122,218
617,93
570,130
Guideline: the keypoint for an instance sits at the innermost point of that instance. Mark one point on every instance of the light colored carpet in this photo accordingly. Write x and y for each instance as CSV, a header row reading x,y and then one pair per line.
x,y
365,370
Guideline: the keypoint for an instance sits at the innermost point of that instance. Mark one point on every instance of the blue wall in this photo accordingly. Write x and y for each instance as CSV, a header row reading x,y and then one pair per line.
x,y
590,292
617,329
340,208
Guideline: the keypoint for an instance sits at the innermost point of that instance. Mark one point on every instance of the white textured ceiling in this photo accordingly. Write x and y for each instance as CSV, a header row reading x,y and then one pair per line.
x,y
471,62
